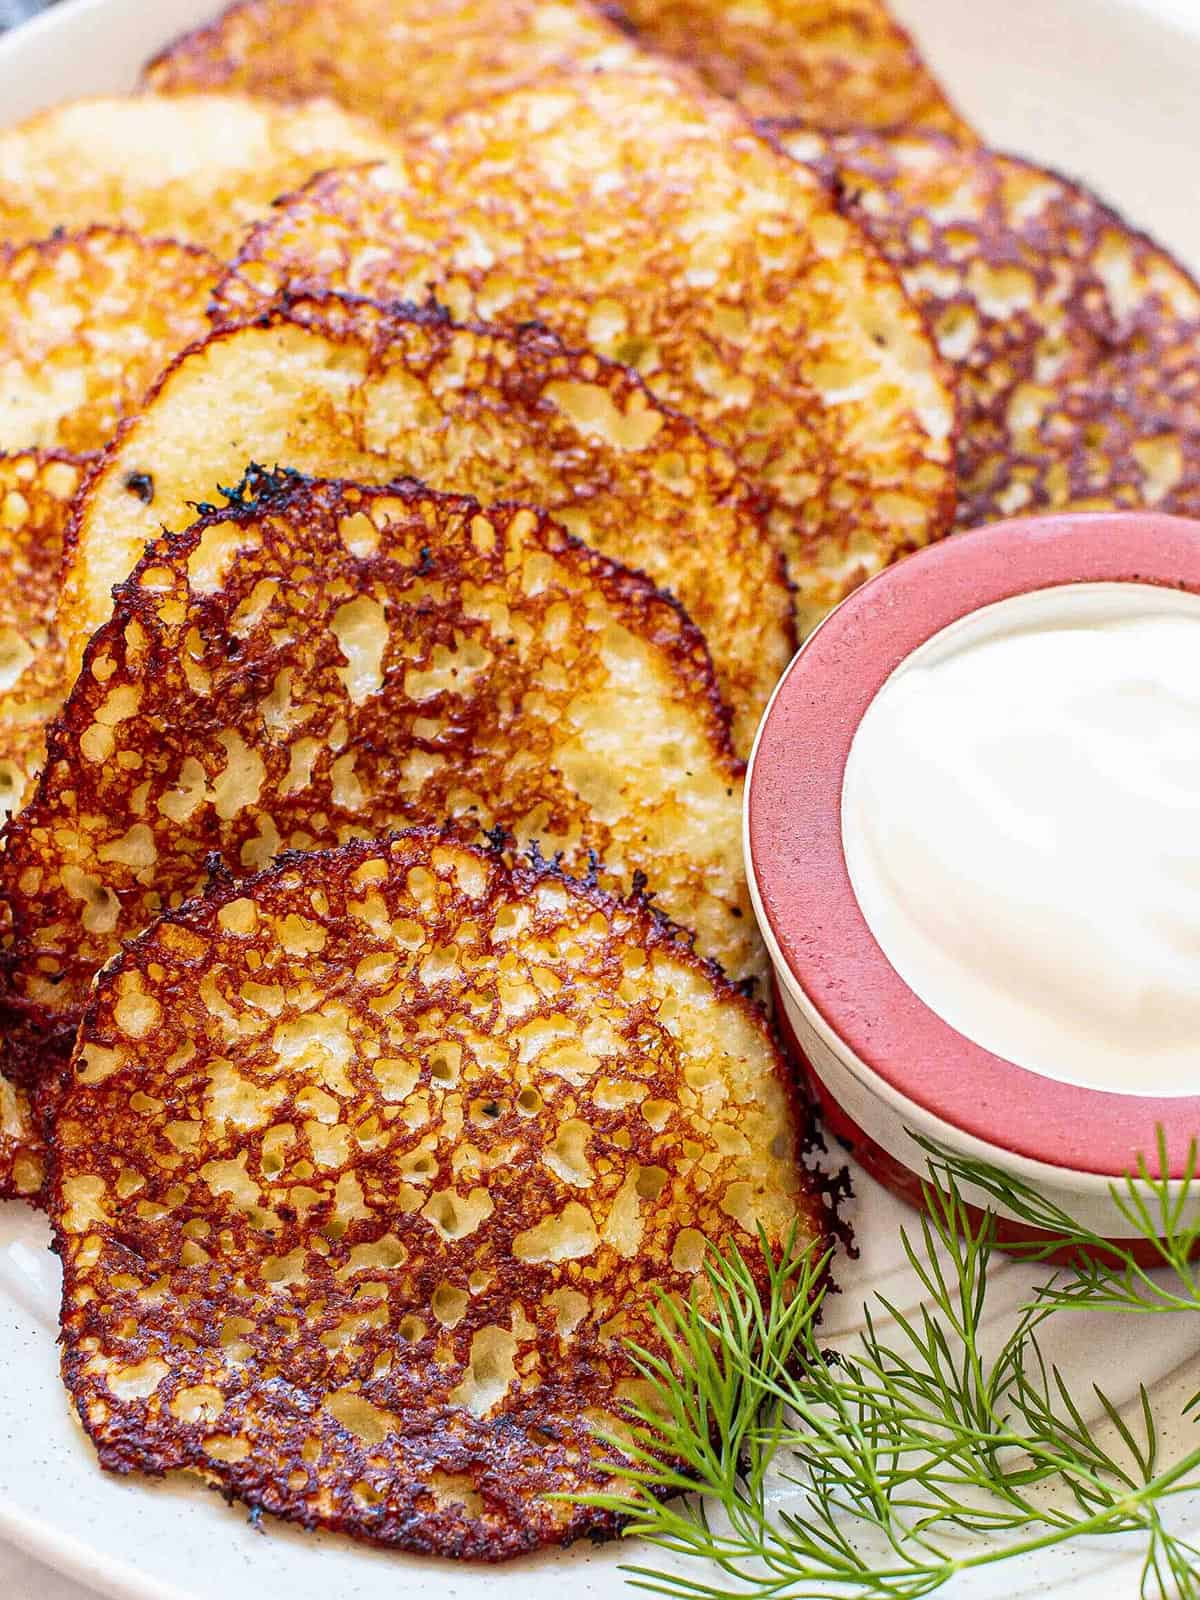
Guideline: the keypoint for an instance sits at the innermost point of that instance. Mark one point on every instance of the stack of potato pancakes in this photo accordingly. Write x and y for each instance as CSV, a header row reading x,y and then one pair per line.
x,y
428,431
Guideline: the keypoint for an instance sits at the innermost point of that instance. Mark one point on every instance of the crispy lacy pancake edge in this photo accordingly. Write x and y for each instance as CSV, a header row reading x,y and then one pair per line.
x,y
854,483
456,1335
438,582
523,419
121,161
280,49
22,1149
122,305
791,58
37,490
1076,335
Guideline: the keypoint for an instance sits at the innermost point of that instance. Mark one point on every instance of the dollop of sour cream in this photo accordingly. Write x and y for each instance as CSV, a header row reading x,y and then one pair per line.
x,y
1021,825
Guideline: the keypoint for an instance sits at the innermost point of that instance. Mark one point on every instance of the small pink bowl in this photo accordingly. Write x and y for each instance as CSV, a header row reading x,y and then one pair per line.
x,y
883,1063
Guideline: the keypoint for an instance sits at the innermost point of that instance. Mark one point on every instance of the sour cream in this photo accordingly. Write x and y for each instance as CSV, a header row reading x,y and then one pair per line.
x,y
1021,825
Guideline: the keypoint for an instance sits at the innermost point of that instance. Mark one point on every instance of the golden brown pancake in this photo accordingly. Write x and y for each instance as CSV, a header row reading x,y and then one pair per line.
x,y
367,1168
318,662
347,389
651,225
36,490
87,322
398,61
200,168
1076,338
832,64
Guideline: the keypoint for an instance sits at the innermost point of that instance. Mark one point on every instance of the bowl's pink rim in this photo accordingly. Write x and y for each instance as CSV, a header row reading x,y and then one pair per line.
x,y
794,830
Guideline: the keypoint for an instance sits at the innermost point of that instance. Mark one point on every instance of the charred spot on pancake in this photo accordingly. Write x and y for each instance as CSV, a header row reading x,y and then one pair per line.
x,y
404,655
141,484
342,388
199,168
397,61
87,321
1076,338
367,1168
650,224
834,64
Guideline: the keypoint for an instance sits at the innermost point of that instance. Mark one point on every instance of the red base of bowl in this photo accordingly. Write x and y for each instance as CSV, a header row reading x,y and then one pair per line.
x,y
1014,1237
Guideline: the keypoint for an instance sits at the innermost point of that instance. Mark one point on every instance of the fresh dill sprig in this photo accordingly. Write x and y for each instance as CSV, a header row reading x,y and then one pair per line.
x,y
1163,1213
791,1472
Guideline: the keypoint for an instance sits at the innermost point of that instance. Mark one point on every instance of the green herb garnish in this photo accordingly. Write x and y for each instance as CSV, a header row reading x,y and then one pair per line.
x,y
1112,1279
858,1473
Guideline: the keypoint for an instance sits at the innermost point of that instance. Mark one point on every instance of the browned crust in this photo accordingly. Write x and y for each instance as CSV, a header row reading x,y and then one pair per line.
x,y
38,1033
291,50
135,302
1084,390
14,250
535,1444
785,70
33,514
789,318
528,448
169,68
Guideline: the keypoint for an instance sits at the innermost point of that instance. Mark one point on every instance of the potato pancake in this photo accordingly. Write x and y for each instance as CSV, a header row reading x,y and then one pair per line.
x,y
832,64
366,1169
36,490
318,662
399,61
1076,338
200,168
87,322
341,389
652,225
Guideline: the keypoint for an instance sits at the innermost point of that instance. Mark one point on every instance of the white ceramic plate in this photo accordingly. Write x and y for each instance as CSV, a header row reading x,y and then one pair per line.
x,y
1103,89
